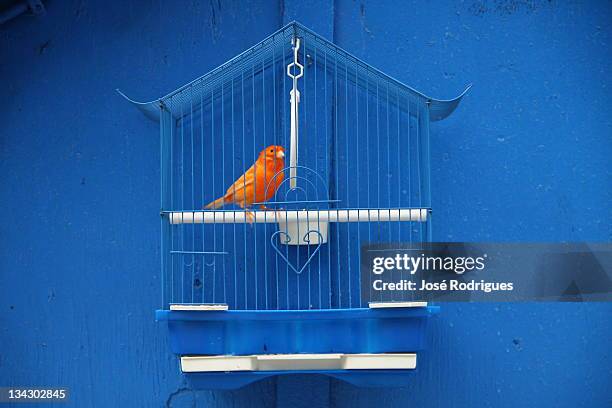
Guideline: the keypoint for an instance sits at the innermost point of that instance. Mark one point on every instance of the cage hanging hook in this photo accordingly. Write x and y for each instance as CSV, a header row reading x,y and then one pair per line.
x,y
295,100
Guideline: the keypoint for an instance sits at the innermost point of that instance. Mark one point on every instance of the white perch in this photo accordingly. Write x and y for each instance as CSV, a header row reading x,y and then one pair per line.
x,y
298,227
312,216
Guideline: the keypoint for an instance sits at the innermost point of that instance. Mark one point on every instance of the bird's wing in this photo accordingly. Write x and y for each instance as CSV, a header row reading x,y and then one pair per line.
x,y
236,190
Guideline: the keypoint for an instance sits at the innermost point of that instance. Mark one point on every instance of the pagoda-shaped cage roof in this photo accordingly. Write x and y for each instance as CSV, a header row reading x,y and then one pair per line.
x,y
277,49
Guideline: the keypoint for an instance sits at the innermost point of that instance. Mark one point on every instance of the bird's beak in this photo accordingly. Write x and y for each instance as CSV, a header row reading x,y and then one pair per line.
x,y
280,154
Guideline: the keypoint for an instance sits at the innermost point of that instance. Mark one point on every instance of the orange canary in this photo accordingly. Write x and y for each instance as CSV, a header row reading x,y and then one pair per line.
x,y
258,184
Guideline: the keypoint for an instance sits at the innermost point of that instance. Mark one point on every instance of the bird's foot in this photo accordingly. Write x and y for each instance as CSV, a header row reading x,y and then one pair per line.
x,y
250,217
263,207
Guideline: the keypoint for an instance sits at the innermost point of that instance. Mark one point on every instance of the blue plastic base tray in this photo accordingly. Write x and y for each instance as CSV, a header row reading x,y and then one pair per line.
x,y
361,378
237,332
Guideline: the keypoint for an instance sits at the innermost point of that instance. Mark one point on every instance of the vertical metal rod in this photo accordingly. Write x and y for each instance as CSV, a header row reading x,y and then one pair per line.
x,y
427,170
282,101
358,125
284,124
166,120
378,182
265,171
182,228
274,136
399,166
173,230
388,138
305,128
409,148
255,155
295,128
225,283
368,168
202,198
316,138
368,173
193,227
295,114
337,184
327,177
347,181
399,172
244,239
162,189
214,194
232,120
418,157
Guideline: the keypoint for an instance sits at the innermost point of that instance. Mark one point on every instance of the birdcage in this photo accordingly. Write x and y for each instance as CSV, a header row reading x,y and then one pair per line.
x,y
269,282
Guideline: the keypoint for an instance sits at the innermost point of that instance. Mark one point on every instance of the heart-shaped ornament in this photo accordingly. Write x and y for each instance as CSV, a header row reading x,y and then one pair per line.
x,y
287,239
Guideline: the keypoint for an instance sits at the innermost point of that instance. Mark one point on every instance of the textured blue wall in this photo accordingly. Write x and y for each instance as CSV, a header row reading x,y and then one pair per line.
x,y
525,158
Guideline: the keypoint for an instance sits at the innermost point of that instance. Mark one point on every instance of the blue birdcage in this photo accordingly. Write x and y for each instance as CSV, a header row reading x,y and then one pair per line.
x,y
269,283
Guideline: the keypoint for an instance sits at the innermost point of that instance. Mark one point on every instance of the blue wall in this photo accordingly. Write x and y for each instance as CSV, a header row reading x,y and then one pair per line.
x,y
525,158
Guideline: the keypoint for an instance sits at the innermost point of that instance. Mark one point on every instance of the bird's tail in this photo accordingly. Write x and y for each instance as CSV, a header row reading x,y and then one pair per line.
x,y
218,203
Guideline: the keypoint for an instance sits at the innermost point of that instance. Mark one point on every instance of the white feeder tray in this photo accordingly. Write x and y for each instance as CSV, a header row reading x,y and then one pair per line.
x,y
303,232
299,362
300,227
